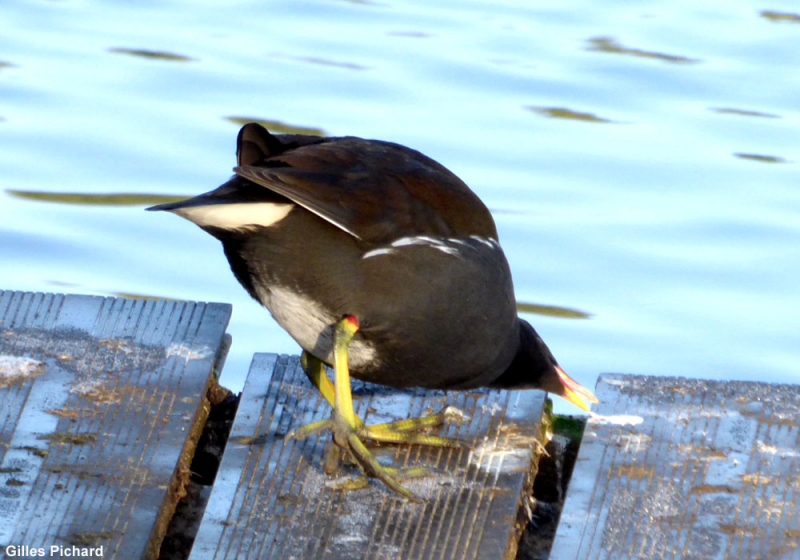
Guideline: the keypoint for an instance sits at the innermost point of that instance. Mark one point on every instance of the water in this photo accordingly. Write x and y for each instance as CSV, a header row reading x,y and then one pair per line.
x,y
641,161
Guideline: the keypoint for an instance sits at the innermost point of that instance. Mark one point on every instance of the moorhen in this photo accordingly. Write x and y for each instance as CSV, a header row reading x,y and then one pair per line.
x,y
378,261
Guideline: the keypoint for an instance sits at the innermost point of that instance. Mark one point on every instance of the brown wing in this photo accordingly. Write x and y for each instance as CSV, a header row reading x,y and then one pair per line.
x,y
377,191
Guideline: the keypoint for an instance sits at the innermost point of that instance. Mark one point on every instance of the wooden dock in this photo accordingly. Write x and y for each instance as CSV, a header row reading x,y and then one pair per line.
x,y
272,500
102,402
686,468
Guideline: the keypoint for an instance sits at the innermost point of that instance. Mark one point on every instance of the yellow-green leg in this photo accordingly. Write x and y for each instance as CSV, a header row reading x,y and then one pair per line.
x,y
348,429
401,431
345,423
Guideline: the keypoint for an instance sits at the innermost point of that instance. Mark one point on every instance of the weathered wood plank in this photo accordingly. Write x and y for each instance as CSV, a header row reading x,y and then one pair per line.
x,y
101,403
686,468
272,500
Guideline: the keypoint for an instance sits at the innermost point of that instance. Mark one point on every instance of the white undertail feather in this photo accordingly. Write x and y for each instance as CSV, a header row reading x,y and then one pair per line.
x,y
311,324
236,216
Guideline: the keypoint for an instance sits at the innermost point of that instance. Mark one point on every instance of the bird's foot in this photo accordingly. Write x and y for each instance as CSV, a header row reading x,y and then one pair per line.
x,y
348,440
349,429
406,431
333,460
349,436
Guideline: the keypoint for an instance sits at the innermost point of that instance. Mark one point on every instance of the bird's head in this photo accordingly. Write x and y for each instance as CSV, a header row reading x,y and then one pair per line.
x,y
534,366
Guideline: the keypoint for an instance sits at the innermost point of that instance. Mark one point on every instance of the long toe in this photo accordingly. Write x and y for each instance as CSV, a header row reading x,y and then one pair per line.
x,y
346,437
410,430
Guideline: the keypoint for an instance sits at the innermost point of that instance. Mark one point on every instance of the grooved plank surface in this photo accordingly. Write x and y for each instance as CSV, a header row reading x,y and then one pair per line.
x,y
711,472
272,500
100,404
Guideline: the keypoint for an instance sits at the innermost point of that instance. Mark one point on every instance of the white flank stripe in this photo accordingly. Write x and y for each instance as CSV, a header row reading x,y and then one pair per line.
x,y
416,240
426,241
236,216
488,242
448,246
446,250
378,252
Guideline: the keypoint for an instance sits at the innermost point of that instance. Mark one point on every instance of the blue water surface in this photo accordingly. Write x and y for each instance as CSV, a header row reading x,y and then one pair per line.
x,y
641,159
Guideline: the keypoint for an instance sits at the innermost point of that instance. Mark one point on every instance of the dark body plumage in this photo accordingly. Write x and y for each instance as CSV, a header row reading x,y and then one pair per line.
x,y
319,228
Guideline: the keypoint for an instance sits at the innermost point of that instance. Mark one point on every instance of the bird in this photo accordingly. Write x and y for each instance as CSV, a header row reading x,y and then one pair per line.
x,y
380,263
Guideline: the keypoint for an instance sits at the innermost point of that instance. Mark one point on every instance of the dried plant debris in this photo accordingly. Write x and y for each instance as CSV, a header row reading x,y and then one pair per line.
x,y
90,539
550,487
97,391
80,352
552,310
65,438
72,414
189,353
321,61
780,17
93,199
277,127
744,112
762,158
568,114
18,369
151,54
611,46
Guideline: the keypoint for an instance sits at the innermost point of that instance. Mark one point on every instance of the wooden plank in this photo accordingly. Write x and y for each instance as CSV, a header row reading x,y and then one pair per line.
x,y
686,468
272,500
101,403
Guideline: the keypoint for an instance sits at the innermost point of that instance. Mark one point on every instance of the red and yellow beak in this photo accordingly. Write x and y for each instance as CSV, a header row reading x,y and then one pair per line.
x,y
574,392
